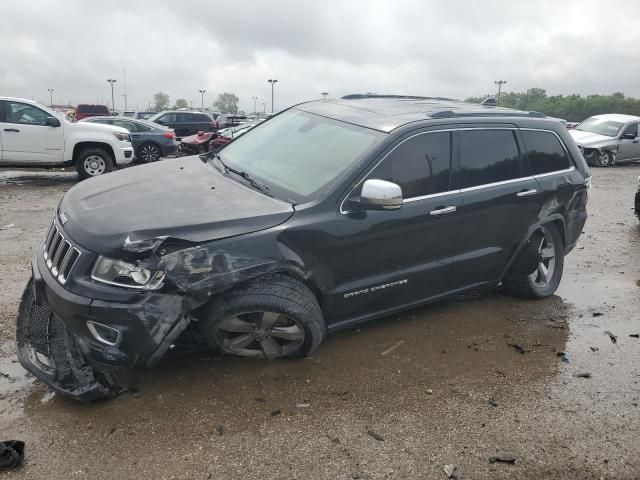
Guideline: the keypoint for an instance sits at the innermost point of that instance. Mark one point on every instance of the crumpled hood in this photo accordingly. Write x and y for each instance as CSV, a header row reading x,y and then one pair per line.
x,y
589,139
182,198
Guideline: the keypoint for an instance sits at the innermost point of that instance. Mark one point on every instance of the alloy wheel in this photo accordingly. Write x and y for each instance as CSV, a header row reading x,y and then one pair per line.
x,y
543,275
149,153
259,334
604,159
94,165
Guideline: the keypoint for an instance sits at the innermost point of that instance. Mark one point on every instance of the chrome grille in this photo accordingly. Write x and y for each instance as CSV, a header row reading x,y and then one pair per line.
x,y
59,254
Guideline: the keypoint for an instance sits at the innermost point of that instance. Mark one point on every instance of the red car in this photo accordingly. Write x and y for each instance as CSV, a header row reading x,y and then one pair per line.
x,y
228,134
85,110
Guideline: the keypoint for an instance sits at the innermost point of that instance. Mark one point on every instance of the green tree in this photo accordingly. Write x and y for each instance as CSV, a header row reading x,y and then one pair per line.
x,y
181,103
227,103
573,108
160,101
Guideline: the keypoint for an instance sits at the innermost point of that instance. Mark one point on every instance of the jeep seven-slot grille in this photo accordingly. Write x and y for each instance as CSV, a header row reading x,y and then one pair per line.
x,y
59,255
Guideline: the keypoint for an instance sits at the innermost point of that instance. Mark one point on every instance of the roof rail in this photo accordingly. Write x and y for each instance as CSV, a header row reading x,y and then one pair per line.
x,y
488,113
359,96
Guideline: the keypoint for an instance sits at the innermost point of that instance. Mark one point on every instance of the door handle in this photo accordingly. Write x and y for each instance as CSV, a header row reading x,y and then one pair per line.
x,y
527,193
11,130
442,211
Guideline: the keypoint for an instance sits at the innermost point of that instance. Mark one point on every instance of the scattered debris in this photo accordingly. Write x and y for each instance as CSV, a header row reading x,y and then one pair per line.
x,y
519,348
597,314
11,453
594,349
220,430
6,227
451,471
260,400
429,392
392,348
502,459
583,375
563,356
492,402
634,335
303,405
335,440
276,412
375,435
613,338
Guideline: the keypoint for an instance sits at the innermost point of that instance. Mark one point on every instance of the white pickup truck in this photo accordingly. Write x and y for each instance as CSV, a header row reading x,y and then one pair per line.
x,y
32,135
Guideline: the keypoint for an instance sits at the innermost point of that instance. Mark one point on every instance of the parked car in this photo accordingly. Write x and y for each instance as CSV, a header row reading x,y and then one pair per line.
x,y
185,123
32,135
637,200
225,135
608,139
129,113
227,120
327,215
150,140
85,110
144,115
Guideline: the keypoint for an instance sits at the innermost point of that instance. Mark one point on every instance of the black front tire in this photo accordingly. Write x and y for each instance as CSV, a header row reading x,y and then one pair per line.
x,y
277,293
530,284
93,162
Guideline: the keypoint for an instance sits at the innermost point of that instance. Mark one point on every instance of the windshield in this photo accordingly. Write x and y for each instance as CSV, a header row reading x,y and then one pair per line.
x,y
298,154
600,126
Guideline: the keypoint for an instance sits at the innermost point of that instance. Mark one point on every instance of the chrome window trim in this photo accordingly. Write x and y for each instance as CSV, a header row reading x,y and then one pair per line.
x,y
411,199
431,195
475,187
496,184
555,172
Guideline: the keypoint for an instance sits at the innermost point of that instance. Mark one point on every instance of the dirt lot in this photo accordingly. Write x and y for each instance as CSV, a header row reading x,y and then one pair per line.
x,y
452,391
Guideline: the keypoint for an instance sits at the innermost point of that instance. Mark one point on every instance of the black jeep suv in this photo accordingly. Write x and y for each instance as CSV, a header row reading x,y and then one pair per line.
x,y
329,214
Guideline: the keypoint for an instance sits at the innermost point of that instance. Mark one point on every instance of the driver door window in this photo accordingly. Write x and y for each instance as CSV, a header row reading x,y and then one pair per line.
x,y
421,165
631,129
24,114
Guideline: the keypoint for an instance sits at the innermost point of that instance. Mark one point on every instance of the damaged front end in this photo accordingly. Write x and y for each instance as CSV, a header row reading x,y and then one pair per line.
x,y
78,341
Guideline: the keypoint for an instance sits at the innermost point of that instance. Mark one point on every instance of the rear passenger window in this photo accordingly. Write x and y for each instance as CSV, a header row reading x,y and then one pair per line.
x,y
421,165
488,156
545,152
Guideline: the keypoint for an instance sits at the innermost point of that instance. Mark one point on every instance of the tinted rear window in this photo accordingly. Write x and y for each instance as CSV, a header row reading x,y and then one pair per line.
x,y
92,109
488,156
545,152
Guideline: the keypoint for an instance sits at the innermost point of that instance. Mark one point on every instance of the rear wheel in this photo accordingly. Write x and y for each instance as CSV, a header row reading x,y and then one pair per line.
x,y
544,280
270,317
149,152
93,162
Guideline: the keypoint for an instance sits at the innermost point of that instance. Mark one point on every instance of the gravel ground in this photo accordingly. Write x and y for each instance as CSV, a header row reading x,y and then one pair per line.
x,y
398,398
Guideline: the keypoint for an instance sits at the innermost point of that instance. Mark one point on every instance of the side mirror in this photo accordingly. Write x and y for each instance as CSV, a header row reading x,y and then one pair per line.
x,y
380,195
160,122
52,122
629,136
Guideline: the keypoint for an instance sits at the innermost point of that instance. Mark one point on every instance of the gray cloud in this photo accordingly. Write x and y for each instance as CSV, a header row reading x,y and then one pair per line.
x,y
452,48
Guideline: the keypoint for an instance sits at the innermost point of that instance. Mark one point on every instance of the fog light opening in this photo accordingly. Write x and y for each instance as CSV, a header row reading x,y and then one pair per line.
x,y
102,333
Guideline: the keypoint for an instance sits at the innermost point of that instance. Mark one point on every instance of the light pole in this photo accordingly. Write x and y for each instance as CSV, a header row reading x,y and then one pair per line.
x,y
324,95
255,110
272,81
50,90
499,83
202,92
113,102
264,107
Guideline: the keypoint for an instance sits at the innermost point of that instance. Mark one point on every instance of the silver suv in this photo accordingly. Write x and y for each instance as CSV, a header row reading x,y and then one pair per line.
x,y
608,139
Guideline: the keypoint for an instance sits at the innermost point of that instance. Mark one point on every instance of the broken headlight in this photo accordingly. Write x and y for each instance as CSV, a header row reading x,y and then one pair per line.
x,y
125,274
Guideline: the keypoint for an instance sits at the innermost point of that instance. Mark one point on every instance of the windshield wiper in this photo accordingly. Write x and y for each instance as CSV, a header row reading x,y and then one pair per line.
x,y
248,178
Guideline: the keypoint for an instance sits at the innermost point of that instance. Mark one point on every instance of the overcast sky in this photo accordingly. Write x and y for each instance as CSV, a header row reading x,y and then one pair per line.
x,y
439,48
